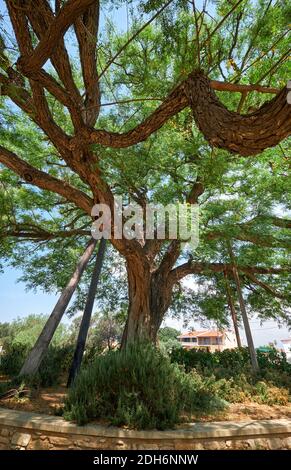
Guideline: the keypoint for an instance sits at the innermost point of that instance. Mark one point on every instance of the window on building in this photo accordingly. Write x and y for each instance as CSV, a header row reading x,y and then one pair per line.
x,y
204,341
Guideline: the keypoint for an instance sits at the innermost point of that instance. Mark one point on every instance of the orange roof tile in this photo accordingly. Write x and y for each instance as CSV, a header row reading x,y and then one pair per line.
x,y
210,334
202,334
190,333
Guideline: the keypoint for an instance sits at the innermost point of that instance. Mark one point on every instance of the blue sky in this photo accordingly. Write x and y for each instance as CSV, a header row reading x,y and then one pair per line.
x,y
15,301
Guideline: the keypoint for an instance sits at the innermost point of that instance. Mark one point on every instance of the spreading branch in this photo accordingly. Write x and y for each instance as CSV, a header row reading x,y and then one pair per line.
x,y
38,234
29,64
242,134
265,286
41,17
193,267
248,236
45,181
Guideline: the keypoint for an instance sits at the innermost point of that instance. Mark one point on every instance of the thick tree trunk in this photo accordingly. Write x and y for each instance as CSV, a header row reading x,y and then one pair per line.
x,y
36,355
149,298
85,323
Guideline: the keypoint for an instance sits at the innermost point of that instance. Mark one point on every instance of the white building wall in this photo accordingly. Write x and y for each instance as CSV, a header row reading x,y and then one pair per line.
x,y
287,349
229,340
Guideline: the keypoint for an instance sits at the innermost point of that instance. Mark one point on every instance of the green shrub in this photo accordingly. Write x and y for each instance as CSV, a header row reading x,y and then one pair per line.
x,y
278,378
229,361
270,386
268,395
274,360
232,362
55,363
4,386
12,359
233,390
138,387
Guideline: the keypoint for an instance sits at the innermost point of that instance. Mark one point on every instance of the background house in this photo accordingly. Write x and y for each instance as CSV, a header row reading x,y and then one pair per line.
x,y
211,340
287,348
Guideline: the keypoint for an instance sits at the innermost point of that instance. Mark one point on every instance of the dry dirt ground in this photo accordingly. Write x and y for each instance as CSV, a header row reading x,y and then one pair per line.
x,y
48,400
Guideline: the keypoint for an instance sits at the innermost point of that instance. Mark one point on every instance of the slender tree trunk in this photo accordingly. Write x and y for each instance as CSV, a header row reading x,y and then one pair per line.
x,y
37,353
248,332
232,309
85,323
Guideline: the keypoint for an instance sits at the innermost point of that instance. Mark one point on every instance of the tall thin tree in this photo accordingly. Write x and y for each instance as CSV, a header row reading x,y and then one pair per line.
x,y
85,323
247,328
37,353
232,309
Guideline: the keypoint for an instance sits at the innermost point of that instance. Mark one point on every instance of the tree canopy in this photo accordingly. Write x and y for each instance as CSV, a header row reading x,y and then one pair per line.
x,y
187,103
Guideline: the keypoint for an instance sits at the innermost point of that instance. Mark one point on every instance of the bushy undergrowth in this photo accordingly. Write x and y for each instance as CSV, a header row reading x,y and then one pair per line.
x,y
230,361
144,388
55,363
229,374
140,388
13,358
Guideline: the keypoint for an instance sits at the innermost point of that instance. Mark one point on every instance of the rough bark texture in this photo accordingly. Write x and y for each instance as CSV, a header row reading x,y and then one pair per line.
x,y
66,16
43,180
36,355
243,134
86,28
149,299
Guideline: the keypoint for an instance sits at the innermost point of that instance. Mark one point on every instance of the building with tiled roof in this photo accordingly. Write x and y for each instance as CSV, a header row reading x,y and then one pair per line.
x,y
211,340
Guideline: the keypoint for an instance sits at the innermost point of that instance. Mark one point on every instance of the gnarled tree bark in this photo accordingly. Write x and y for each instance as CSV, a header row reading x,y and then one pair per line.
x,y
243,134
149,295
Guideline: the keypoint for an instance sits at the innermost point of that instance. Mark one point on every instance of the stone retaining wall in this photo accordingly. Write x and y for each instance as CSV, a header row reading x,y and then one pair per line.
x,y
31,431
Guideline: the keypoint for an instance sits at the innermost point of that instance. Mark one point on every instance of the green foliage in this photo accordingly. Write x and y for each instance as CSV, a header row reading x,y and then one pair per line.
x,y
241,195
233,360
168,339
269,395
25,331
139,388
4,331
230,376
168,333
13,358
18,339
54,365
233,389
242,388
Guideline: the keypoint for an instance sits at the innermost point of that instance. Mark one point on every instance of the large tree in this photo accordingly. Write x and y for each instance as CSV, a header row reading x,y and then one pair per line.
x,y
135,123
